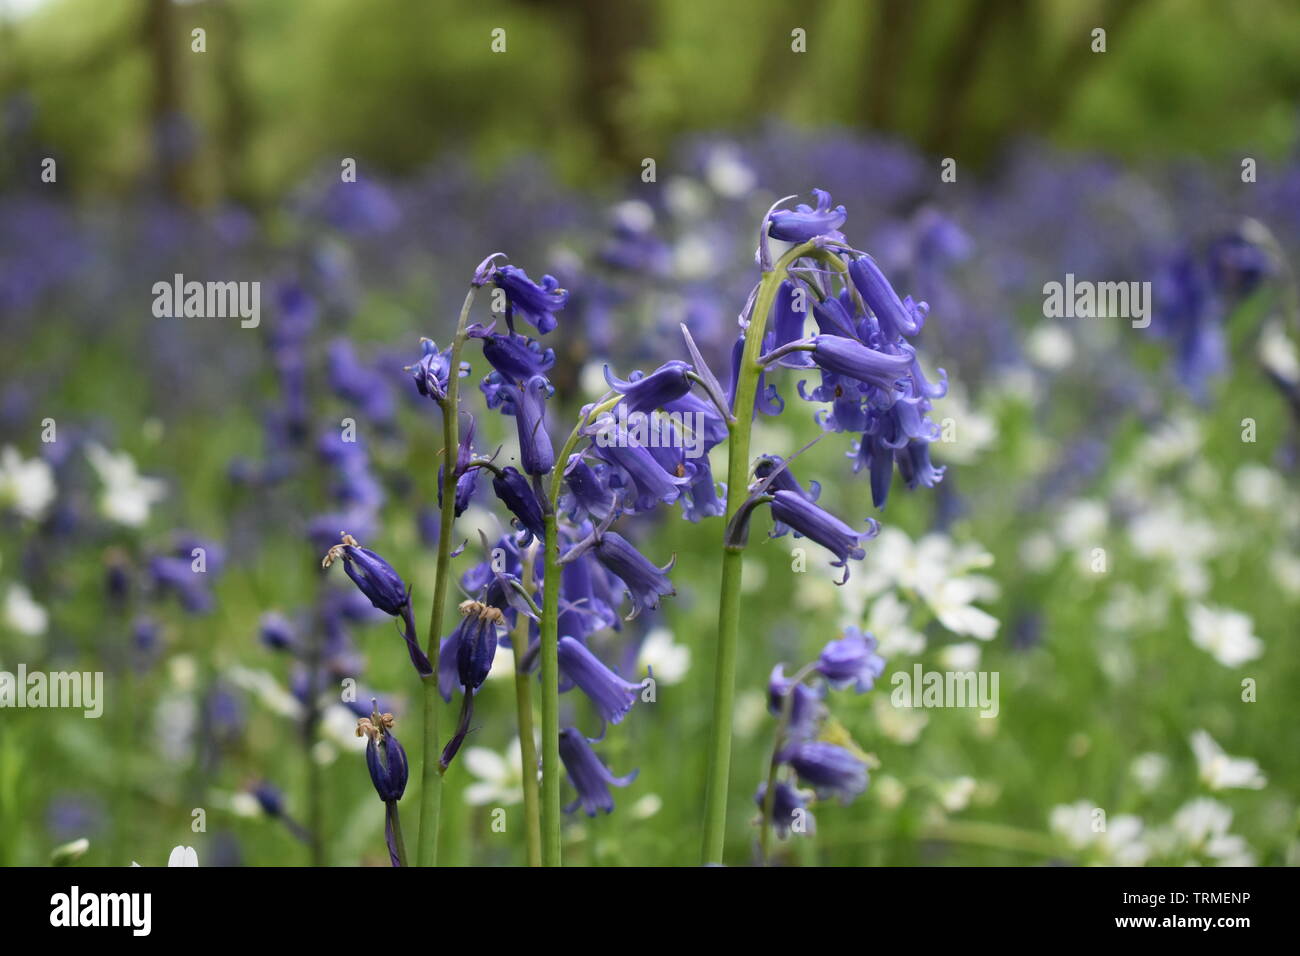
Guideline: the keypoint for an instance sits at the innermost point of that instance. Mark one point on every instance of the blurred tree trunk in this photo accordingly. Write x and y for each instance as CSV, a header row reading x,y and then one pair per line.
x,y
236,116
889,47
164,47
947,109
608,33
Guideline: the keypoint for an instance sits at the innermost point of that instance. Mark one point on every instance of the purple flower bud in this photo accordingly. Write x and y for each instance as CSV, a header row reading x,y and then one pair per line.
x,y
535,303
817,524
589,776
517,494
536,454
850,358
803,222
851,659
476,645
386,761
786,802
378,581
645,393
829,768
612,696
466,477
645,582
895,319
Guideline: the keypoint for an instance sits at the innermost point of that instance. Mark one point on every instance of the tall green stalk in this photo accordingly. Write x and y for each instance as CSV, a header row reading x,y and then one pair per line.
x,y
724,674
550,654
430,771
527,745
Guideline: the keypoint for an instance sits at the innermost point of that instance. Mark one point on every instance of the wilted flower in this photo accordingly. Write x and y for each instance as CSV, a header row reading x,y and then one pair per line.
x,y
378,581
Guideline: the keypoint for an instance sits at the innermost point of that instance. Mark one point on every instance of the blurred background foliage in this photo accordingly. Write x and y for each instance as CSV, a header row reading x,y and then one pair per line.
x,y
596,86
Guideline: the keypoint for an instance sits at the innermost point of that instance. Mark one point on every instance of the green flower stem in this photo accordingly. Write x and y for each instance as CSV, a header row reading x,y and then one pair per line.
x,y
550,654
724,673
527,745
430,772
397,835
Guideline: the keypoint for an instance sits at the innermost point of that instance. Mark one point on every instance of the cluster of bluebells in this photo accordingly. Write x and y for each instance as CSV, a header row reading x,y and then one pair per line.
x,y
805,765
598,567
860,347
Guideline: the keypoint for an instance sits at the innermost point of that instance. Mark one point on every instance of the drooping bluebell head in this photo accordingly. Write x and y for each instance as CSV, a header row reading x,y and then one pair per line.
x,y
476,645
851,359
514,357
645,582
432,372
516,492
591,778
804,222
789,808
828,768
528,404
817,524
851,660
537,304
385,757
645,393
894,318
174,575
378,581
373,575
612,696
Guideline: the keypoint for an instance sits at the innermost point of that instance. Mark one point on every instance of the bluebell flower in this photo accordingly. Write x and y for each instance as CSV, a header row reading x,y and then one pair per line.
x,y
589,776
851,659
432,373
377,580
828,768
276,632
588,494
466,477
806,708
537,304
476,645
851,359
788,323
516,492
612,696
514,357
804,222
175,575
635,469
787,801
645,582
895,319
385,756
817,524
528,405
585,599
362,385
645,393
